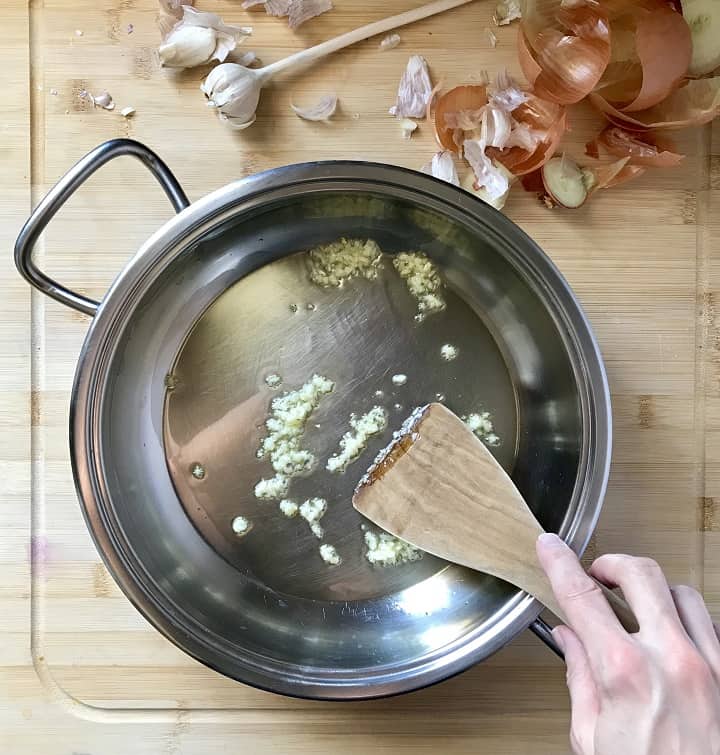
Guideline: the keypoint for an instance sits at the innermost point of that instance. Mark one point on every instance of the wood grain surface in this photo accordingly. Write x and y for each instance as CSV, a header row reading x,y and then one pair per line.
x,y
80,670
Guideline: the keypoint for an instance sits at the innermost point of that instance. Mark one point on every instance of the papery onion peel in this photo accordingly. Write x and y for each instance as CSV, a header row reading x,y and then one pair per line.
x,y
572,53
642,149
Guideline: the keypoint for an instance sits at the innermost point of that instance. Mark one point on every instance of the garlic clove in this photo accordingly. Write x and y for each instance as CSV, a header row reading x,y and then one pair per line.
x,y
187,47
199,38
390,42
407,127
321,111
126,112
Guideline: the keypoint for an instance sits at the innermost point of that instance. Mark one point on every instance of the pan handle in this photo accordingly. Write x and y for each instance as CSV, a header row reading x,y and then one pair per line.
x,y
61,192
543,630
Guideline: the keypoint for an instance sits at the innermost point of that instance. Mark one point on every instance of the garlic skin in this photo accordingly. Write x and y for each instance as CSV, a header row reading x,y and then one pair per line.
x,y
199,38
235,91
414,91
442,166
323,110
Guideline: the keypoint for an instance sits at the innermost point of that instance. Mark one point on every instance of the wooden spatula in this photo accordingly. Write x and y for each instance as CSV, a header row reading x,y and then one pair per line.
x,y
440,489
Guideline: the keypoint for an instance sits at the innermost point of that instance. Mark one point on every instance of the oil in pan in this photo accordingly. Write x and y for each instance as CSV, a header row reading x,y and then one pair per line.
x,y
270,333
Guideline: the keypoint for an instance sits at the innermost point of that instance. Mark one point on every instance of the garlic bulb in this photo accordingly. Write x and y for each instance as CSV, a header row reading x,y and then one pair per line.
x,y
235,91
199,38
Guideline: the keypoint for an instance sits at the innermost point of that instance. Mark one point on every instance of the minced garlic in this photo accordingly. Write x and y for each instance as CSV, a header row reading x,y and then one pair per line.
x,y
329,554
286,424
333,264
386,550
355,441
312,511
481,424
273,380
399,379
241,525
449,352
289,508
423,281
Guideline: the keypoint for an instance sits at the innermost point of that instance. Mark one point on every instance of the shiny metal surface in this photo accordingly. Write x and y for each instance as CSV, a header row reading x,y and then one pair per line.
x,y
265,614
61,192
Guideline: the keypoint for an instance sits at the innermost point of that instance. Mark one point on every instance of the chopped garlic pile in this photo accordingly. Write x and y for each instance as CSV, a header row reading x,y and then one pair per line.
x,y
329,554
286,425
355,441
289,508
273,380
386,550
333,264
481,424
312,511
422,279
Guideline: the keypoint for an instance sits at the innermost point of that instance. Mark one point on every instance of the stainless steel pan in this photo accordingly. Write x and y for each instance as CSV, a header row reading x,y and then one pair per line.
x,y
171,375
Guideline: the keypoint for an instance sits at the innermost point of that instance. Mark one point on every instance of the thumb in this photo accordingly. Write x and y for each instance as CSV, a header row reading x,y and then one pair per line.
x,y
583,692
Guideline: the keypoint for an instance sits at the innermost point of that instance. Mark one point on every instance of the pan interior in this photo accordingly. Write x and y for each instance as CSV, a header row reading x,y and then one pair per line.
x,y
215,323
276,321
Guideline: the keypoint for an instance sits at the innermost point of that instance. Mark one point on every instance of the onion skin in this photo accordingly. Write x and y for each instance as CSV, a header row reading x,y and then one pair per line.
x,y
642,149
571,58
466,97
664,48
694,104
540,115
624,175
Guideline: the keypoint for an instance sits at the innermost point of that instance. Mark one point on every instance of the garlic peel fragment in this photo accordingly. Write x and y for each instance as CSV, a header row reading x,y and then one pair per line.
x,y
442,166
506,12
488,173
199,38
303,10
414,91
323,110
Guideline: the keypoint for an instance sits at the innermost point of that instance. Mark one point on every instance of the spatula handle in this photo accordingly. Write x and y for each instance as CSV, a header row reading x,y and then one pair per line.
x,y
621,609
544,593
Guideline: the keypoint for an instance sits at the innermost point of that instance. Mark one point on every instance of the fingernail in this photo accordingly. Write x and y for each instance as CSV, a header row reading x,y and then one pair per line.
x,y
550,540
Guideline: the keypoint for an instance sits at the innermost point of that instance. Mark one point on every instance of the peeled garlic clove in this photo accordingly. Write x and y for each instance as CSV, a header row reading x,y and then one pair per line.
x,y
389,42
442,166
199,38
103,100
235,91
321,111
126,112
414,91
407,127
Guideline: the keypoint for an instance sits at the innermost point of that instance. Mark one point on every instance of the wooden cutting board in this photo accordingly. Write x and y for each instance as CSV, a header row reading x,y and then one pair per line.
x,y
80,671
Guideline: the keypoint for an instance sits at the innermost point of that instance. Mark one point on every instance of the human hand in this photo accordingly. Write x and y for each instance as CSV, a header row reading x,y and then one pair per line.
x,y
654,692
